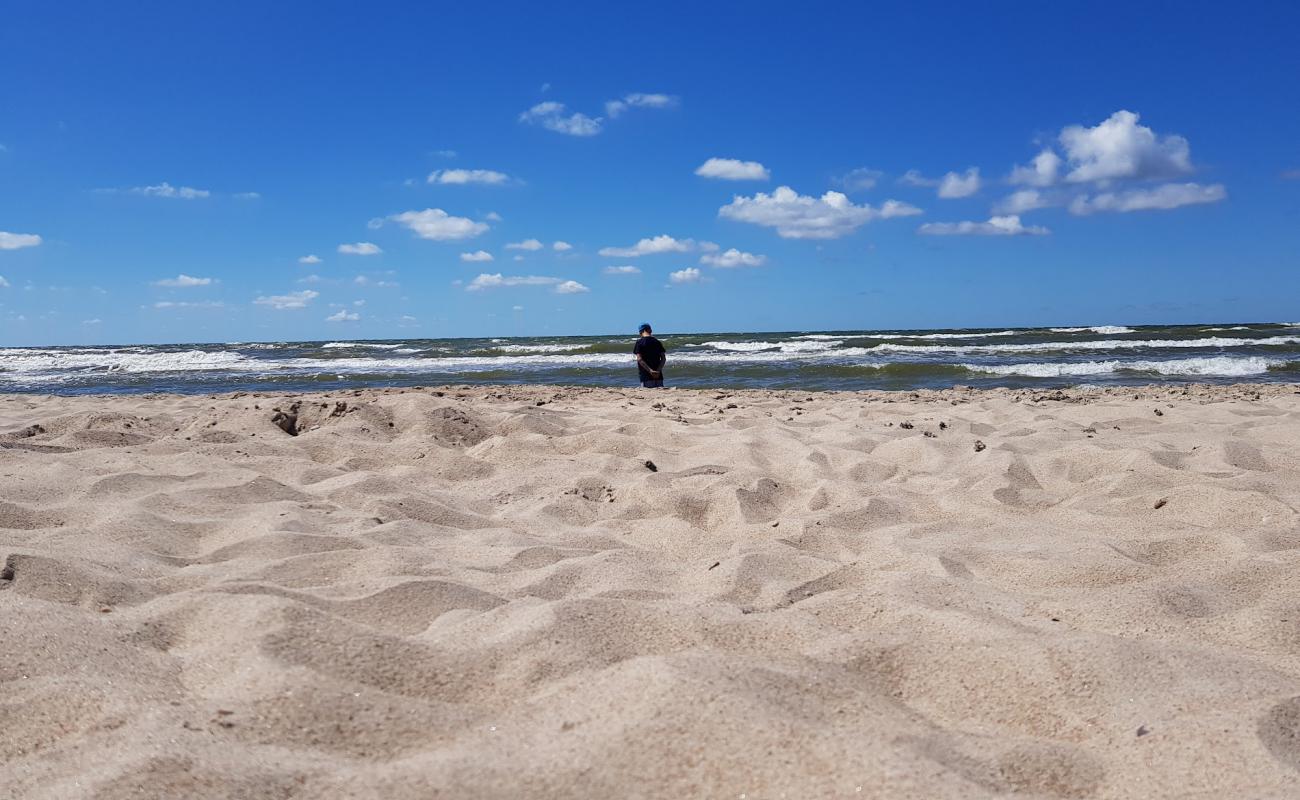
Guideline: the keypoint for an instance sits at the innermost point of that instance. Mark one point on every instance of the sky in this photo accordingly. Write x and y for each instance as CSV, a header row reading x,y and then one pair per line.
x,y
181,172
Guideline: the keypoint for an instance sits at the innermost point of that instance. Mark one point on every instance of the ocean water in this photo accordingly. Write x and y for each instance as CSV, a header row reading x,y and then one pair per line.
x,y
863,359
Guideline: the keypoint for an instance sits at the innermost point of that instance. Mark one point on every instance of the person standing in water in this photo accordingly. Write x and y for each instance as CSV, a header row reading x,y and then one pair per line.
x,y
650,358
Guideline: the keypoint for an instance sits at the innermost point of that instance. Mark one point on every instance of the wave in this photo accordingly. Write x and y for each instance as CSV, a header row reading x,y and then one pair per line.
x,y
886,335
816,346
539,348
16,364
1222,366
360,345
1110,329
1101,344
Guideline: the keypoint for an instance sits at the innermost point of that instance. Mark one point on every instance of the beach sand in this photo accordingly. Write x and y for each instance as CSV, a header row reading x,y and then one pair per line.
x,y
549,592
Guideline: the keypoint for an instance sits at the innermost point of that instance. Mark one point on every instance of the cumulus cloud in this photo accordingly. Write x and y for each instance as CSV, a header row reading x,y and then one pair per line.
x,y
1019,202
914,178
17,241
360,249
1121,148
281,302
561,247
954,185
796,216
165,189
1042,171
645,247
614,108
624,270
1160,198
436,224
463,176
688,275
732,258
183,280
477,255
730,169
343,315
526,244
492,281
1009,225
860,179
310,259
555,116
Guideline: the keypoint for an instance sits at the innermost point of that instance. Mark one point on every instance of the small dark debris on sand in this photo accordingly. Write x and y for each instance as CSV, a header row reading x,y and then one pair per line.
x,y
650,465
1161,502
979,446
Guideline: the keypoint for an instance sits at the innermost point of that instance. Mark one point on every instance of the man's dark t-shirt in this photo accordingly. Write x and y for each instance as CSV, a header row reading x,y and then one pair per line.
x,y
652,353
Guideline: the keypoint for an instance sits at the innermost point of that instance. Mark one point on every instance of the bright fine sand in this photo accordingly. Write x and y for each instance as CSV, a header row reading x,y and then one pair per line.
x,y
544,592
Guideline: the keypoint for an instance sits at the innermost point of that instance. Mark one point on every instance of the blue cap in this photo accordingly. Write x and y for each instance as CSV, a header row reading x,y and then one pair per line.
x,y
645,326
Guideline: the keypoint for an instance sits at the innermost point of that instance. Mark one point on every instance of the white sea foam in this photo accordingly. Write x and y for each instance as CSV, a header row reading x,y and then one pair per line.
x,y
815,346
1110,329
1222,366
1102,344
880,335
539,348
360,345
20,364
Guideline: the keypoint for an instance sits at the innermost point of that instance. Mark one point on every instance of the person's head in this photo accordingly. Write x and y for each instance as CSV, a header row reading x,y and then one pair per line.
x,y
645,329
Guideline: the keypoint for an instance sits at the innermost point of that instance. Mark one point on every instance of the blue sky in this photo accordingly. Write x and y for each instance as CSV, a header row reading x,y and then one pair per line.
x,y
165,168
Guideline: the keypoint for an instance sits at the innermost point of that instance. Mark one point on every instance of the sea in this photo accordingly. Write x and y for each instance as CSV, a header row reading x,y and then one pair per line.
x,y
1100,355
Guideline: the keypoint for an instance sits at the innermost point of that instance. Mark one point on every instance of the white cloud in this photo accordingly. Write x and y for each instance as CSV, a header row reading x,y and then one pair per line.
x,y
624,270
1042,171
183,280
463,176
914,178
343,315
175,304
561,247
493,216
555,117
360,249
732,258
1160,198
434,223
1121,148
165,189
526,244
516,308
281,302
445,153
17,241
953,185
613,108
996,226
309,260
797,216
688,275
497,280
645,247
247,196
4,284
1019,202
95,321
477,255
860,179
729,169
311,279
